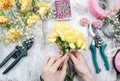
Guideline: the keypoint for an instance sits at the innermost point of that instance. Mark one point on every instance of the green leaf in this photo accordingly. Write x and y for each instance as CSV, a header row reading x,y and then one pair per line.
x,y
2,13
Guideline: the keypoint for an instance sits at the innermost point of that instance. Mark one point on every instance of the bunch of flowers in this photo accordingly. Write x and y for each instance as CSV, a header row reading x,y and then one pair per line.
x,y
67,37
16,16
68,40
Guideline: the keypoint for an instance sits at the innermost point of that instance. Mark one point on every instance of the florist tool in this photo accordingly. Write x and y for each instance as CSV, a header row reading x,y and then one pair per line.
x,y
98,43
17,54
63,11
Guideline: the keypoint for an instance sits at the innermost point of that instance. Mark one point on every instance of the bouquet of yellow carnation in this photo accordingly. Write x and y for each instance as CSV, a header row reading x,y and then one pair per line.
x,y
68,39
7,4
32,20
14,35
25,5
43,8
4,20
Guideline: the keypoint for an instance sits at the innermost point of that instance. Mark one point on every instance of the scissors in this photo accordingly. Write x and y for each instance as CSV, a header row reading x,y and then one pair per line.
x,y
98,43
17,54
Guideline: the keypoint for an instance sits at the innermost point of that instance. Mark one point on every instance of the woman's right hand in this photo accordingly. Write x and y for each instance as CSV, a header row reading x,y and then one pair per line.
x,y
50,70
81,67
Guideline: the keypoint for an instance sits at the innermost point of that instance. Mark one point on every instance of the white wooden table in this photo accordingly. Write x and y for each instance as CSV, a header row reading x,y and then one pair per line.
x,y
28,69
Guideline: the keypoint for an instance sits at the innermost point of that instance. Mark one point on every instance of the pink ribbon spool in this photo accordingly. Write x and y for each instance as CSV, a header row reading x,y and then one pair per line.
x,y
98,12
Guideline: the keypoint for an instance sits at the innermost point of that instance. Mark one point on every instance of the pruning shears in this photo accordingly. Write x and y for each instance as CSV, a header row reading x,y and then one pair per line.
x,y
98,43
17,54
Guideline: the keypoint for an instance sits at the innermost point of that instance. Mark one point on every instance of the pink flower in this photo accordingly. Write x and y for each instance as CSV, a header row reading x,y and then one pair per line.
x,y
97,24
84,22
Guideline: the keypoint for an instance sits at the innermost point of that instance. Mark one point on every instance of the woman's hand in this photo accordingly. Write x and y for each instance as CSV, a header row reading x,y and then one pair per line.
x,y
81,66
50,70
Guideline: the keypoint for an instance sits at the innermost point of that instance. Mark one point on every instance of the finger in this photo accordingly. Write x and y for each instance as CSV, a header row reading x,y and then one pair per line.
x,y
64,67
78,55
73,58
60,51
46,61
51,62
59,62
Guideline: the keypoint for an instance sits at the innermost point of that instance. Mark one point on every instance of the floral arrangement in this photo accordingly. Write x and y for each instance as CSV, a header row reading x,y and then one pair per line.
x,y
17,17
68,39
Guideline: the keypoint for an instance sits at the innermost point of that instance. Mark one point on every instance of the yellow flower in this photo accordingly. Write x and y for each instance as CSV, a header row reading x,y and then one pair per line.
x,y
4,20
52,37
14,35
25,5
72,45
7,4
69,34
44,7
32,20
51,40
82,44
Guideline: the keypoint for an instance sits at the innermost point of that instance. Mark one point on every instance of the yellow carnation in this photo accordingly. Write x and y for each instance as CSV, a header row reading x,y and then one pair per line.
x,y
14,35
67,32
51,40
25,5
82,44
4,20
52,37
32,20
44,7
7,4
72,45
